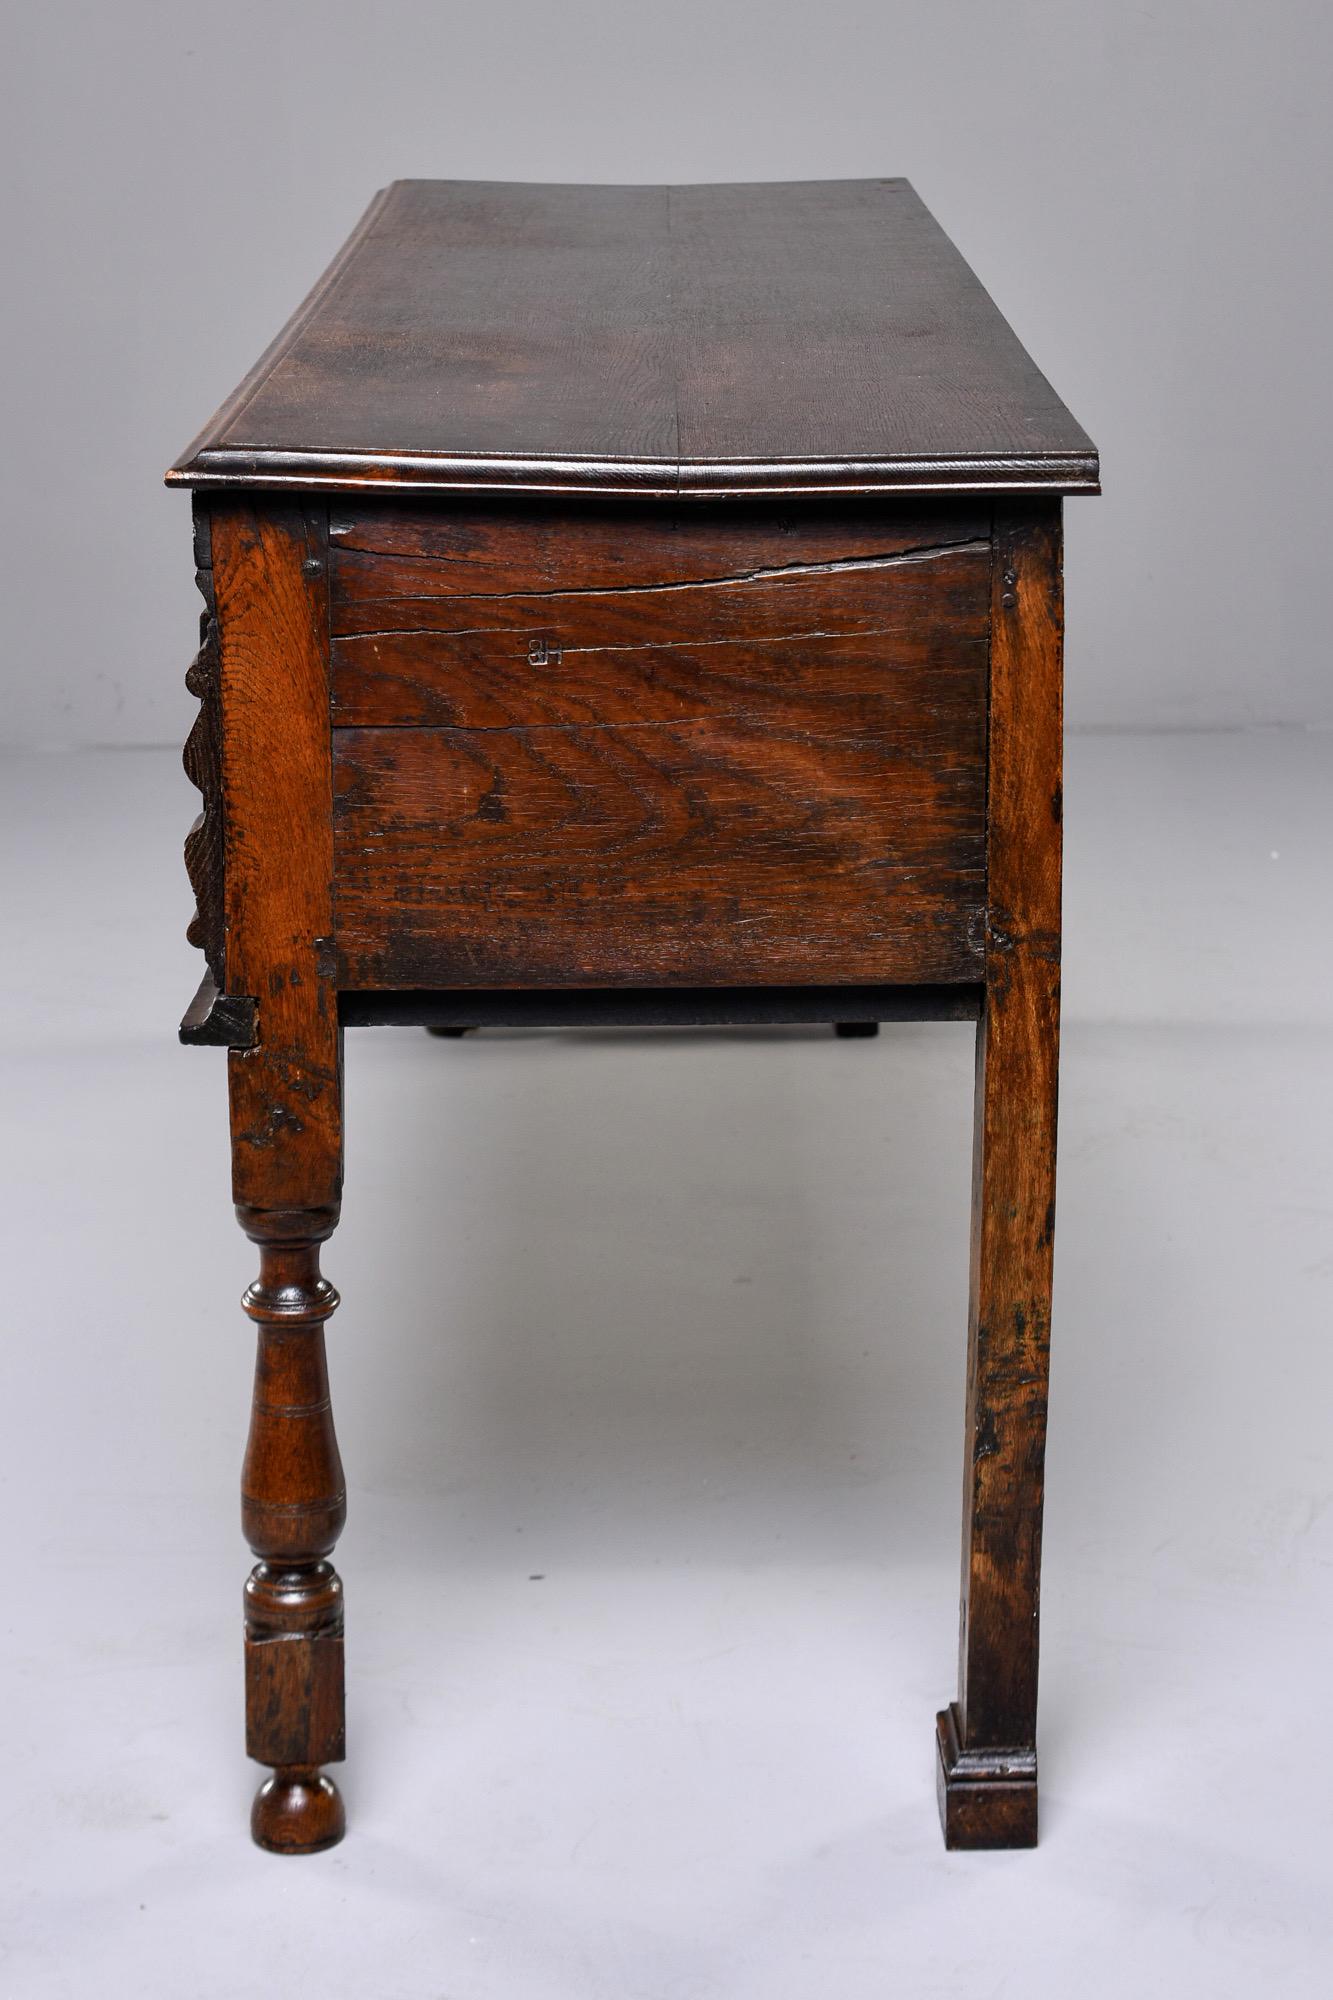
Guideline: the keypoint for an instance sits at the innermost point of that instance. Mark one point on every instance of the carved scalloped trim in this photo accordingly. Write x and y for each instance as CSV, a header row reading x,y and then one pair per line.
x,y
202,758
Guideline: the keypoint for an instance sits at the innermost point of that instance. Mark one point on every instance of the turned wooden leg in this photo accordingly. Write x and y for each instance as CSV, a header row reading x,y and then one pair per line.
x,y
293,1508
268,658
986,1740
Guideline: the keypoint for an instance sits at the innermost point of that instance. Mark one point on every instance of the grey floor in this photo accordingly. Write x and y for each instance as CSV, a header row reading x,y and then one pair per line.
x,y
649,1382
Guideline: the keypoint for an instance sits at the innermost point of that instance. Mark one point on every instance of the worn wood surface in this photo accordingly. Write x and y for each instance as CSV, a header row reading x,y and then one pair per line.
x,y
1013,1218
218,1020
479,548
205,843
271,587
632,603
293,1505
721,771
794,611
807,336
270,579
987,1798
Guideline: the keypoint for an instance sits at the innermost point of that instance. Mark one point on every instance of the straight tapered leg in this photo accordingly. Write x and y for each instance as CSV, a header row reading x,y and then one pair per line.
x,y
987,1745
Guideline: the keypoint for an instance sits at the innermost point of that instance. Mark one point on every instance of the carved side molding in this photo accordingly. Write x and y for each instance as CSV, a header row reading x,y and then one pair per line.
x,y
216,1020
204,848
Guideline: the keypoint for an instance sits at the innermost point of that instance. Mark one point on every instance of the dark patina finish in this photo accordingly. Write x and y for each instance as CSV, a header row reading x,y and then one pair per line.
x,y
632,604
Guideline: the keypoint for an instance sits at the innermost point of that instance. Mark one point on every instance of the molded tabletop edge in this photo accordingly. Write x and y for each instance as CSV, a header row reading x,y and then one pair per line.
x,y
669,310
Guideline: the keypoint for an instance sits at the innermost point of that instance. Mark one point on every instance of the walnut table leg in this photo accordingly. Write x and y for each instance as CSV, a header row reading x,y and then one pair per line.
x,y
285,1087
987,1739
293,1506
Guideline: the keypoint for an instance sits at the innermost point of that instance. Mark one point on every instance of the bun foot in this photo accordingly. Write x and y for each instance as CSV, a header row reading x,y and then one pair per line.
x,y
855,1031
298,1812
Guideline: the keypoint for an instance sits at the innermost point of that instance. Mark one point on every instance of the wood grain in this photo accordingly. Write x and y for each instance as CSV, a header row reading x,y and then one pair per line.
x,y
768,775
632,605
794,337
270,574
477,548
293,1506
871,631
269,571
1014,1171
414,644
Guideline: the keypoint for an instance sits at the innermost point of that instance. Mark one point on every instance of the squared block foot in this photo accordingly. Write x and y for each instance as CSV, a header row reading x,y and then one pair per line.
x,y
294,1700
988,1798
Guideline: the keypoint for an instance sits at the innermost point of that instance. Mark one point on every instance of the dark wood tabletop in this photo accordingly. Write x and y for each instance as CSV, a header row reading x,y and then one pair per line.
x,y
817,336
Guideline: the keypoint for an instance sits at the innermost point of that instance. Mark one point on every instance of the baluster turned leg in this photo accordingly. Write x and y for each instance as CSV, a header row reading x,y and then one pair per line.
x,y
293,1508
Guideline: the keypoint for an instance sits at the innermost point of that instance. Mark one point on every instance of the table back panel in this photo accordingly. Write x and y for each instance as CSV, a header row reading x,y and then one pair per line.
x,y
687,746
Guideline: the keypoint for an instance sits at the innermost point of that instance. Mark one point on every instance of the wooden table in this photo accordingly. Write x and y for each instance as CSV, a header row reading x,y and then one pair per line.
x,y
624,605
